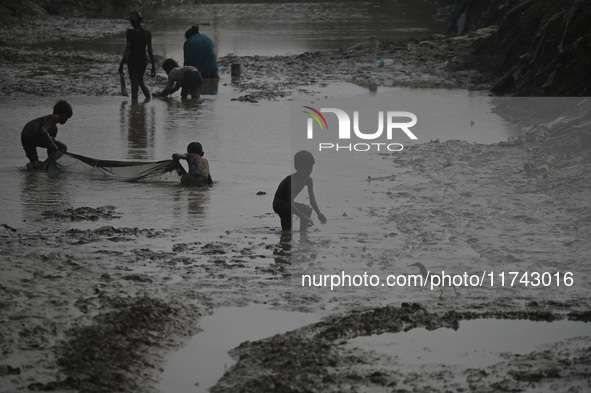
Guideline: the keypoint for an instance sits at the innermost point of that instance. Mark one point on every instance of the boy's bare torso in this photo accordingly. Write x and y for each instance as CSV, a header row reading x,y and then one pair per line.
x,y
198,165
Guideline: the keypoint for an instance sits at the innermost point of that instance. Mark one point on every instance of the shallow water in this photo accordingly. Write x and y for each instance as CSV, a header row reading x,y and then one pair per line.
x,y
476,343
199,365
248,146
277,28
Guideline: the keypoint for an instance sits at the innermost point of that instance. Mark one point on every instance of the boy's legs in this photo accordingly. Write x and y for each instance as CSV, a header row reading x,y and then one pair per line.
x,y
133,81
191,179
136,79
196,91
191,83
30,149
286,221
143,85
283,209
307,210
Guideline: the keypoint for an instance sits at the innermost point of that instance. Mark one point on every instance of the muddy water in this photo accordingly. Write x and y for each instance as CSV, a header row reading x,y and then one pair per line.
x,y
248,146
273,28
476,343
199,365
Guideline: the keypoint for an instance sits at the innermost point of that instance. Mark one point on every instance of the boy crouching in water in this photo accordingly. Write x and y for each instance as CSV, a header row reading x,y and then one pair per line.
x,y
198,166
288,190
188,79
41,132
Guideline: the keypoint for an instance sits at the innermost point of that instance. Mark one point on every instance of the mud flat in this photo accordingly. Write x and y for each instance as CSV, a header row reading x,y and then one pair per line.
x,y
82,314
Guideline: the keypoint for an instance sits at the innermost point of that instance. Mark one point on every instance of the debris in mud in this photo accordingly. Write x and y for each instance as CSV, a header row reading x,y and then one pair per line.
x,y
246,98
83,214
216,248
117,352
9,370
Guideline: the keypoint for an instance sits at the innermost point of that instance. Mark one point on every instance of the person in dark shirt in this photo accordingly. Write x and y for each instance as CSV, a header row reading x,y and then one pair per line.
x,y
288,190
41,132
199,52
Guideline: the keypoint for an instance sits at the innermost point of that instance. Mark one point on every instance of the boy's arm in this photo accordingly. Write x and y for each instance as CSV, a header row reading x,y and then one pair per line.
x,y
151,54
170,88
125,54
177,156
50,123
313,202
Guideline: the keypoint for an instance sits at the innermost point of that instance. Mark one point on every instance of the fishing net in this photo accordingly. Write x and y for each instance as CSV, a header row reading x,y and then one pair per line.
x,y
65,162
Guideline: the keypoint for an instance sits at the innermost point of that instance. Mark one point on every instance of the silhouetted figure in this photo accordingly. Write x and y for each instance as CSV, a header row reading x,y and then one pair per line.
x,y
42,132
288,190
139,39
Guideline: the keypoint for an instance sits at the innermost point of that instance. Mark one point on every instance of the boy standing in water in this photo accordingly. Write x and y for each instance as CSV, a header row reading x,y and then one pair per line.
x,y
42,131
188,79
198,166
138,40
283,202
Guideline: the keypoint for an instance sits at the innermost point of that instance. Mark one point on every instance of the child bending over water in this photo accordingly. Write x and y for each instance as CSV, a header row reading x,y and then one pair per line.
x,y
41,132
198,166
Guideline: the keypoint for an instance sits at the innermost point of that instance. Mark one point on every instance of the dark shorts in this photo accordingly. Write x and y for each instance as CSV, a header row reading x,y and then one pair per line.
x,y
30,145
192,79
283,209
137,61
194,179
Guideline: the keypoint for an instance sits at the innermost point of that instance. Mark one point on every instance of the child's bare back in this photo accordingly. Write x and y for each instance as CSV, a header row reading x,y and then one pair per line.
x,y
198,166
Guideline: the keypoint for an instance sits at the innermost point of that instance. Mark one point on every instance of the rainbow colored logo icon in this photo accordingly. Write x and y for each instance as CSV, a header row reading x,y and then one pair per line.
x,y
315,115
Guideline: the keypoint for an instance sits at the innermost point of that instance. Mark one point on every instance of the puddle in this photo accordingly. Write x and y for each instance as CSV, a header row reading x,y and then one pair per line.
x,y
476,343
198,366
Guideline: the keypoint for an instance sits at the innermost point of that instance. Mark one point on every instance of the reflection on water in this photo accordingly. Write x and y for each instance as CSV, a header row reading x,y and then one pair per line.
x,y
138,123
255,27
248,147
190,202
282,252
40,193
197,367
477,343
210,86
271,28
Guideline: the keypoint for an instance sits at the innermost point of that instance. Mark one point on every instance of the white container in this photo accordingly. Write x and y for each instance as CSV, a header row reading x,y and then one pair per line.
x,y
384,62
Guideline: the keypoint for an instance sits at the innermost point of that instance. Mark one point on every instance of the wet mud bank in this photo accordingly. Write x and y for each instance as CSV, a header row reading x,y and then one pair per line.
x,y
317,359
100,310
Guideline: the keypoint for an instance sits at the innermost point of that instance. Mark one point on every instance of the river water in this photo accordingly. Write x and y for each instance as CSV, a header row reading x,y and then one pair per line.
x,y
248,145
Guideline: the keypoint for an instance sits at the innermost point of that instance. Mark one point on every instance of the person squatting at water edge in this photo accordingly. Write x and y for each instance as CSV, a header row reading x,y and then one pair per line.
x,y
283,202
41,132
199,52
139,39
188,79
198,166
